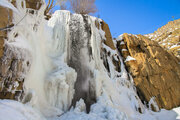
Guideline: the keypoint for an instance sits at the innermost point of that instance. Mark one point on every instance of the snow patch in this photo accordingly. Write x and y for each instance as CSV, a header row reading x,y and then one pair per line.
x,y
129,58
120,37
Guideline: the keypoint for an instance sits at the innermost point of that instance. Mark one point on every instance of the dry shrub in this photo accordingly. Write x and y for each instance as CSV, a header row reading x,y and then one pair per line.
x,y
83,6
49,6
62,4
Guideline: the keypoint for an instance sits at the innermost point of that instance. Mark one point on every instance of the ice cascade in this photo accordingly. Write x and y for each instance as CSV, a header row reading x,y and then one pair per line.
x,y
72,70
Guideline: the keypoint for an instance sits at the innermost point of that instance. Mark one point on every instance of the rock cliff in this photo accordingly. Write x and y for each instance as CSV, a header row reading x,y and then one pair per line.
x,y
168,36
156,72
13,61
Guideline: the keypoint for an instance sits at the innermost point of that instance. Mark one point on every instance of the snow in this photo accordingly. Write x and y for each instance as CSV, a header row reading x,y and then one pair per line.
x,y
177,110
13,110
129,58
120,37
124,50
99,111
122,43
102,110
153,103
174,46
109,49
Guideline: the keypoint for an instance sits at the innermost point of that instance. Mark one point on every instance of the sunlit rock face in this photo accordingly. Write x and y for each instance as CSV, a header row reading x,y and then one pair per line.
x,y
155,71
168,36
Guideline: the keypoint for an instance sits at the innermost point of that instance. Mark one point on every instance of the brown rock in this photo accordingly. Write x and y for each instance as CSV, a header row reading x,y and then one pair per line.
x,y
168,36
108,41
13,67
5,20
155,71
34,4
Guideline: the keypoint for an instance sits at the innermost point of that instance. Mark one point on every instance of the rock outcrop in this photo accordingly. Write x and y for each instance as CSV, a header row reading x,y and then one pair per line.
x,y
13,70
108,35
32,4
168,36
13,64
5,20
156,72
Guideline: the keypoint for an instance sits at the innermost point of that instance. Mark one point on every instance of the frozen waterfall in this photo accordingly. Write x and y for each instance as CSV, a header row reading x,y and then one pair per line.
x,y
72,70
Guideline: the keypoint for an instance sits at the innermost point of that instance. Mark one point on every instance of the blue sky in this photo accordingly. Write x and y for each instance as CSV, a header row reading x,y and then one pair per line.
x,y
137,16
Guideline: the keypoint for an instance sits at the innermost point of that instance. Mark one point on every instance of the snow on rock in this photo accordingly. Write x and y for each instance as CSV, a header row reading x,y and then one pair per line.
x,y
122,43
153,103
120,37
129,58
174,46
124,50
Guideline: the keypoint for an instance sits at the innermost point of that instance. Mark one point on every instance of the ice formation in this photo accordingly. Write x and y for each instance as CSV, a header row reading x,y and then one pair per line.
x,y
70,67
6,4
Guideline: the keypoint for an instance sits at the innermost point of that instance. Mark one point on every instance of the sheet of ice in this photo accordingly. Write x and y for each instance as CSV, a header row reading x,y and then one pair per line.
x,y
118,89
49,85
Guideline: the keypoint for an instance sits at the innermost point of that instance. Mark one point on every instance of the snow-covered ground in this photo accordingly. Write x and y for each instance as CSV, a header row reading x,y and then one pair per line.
x,y
13,110
49,85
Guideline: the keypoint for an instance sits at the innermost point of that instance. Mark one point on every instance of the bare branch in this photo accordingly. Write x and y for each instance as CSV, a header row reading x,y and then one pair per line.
x,y
62,4
83,6
49,6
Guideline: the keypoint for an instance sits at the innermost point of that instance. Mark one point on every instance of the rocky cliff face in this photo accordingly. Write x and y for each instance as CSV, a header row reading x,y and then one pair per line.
x,y
156,72
11,87
14,62
5,20
168,36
